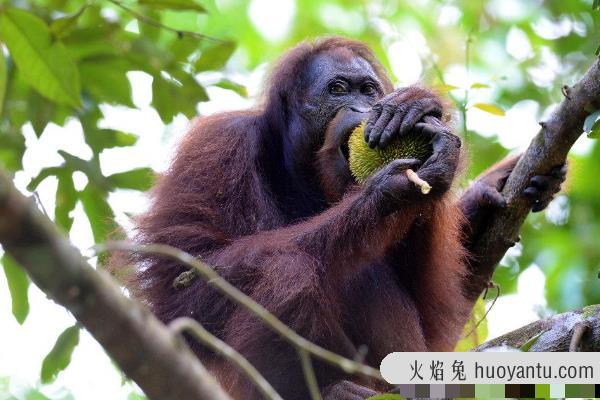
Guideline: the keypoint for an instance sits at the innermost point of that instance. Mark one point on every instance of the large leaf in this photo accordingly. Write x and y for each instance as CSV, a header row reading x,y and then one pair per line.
x,y
43,61
182,5
98,211
59,357
214,57
18,286
3,79
93,41
136,179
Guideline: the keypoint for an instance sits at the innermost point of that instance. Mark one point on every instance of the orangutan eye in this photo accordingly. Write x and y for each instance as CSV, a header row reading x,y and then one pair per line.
x,y
369,89
338,87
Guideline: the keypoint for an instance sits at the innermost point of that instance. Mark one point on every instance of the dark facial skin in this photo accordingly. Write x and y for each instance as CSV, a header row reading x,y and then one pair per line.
x,y
338,82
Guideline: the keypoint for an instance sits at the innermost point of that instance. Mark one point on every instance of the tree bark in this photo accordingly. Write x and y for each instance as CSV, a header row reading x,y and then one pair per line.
x,y
547,150
146,351
571,331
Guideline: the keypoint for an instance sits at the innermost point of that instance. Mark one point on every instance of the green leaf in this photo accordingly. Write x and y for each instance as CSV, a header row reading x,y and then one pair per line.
x,y
480,86
180,5
59,357
18,286
597,52
136,179
170,97
595,132
66,199
43,62
90,168
596,5
98,211
12,147
100,139
95,41
214,57
527,345
591,125
106,79
148,31
63,26
41,111
3,78
44,173
490,108
476,328
233,86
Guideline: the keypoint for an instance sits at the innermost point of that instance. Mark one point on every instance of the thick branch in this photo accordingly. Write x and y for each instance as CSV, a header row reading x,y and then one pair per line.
x,y
556,333
547,150
144,348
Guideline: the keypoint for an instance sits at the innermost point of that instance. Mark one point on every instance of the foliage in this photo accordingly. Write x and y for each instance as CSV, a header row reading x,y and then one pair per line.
x,y
18,285
65,60
60,355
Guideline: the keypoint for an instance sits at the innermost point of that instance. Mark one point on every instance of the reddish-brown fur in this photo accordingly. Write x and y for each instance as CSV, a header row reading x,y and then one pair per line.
x,y
342,275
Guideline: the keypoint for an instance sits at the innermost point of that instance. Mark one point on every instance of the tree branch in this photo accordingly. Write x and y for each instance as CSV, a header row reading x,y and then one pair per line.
x,y
198,332
144,348
180,33
557,333
547,150
205,271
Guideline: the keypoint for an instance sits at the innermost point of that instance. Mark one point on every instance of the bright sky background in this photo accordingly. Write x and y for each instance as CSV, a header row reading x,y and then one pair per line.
x,y
91,374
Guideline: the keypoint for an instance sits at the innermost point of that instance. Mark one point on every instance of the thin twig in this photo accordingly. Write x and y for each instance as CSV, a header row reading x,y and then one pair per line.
x,y
309,375
38,200
230,291
149,21
579,330
497,287
184,324
463,108
414,178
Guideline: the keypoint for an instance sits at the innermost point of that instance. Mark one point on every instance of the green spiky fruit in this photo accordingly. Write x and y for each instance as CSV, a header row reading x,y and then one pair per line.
x,y
364,161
